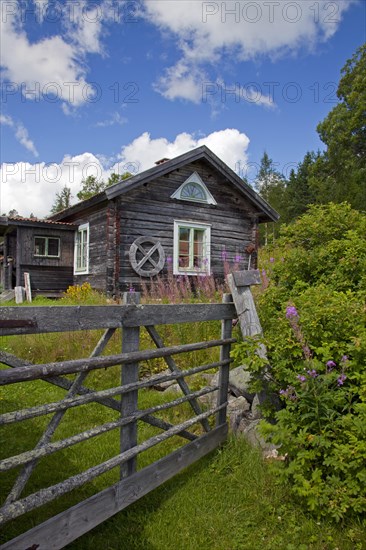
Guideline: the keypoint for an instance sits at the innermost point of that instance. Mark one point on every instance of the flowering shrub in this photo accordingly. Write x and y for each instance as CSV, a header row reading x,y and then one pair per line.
x,y
82,294
313,318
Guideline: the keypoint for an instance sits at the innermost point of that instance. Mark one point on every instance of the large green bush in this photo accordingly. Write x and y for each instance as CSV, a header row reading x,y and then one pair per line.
x,y
313,317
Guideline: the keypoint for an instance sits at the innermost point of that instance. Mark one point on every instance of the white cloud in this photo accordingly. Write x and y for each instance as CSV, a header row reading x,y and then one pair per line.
x,y
84,28
206,32
54,65
6,120
41,68
247,28
115,118
182,81
41,8
22,136
20,132
33,187
230,145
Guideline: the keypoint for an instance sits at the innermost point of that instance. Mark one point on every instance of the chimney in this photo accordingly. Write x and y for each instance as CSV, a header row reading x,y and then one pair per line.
x,y
161,161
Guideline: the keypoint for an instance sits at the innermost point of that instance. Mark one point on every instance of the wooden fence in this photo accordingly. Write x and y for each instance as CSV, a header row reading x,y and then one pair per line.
x,y
65,527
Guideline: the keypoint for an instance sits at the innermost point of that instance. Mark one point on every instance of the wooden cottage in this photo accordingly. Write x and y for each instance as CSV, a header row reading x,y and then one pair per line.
x,y
190,215
42,248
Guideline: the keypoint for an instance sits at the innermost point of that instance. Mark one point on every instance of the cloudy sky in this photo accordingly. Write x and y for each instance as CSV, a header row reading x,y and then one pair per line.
x,y
94,87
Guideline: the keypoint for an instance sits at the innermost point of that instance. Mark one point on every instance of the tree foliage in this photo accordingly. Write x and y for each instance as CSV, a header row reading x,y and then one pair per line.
x,y
62,200
90,186
271,186
313,319
340,174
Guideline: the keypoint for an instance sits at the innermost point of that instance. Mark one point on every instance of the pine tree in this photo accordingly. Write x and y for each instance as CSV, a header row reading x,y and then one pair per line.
x,y
62,200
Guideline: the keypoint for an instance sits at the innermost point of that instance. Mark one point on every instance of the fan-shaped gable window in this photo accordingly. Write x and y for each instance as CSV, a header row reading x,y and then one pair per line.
x,y
193,189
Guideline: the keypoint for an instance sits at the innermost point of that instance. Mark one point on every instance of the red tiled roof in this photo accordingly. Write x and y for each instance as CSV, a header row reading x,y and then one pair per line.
x,y
37,220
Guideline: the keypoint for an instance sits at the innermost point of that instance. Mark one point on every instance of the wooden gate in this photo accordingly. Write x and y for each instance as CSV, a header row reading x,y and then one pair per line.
x,y
65,527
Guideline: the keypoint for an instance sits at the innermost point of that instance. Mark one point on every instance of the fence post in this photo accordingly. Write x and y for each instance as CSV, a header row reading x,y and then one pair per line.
x,y
226,331
129,374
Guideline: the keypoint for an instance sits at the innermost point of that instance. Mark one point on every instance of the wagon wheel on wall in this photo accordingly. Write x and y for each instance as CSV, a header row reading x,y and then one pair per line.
x,y
145,252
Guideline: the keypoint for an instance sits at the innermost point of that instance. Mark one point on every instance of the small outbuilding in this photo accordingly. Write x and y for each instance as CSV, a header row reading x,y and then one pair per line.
x,y
42,248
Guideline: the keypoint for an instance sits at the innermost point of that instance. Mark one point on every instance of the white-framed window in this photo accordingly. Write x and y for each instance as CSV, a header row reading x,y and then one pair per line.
x,y
81,255
193,189
191,252
47,247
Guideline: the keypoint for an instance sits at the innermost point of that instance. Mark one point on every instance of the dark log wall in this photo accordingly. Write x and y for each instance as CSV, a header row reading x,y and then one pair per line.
x,y
150,211
101,231
46,274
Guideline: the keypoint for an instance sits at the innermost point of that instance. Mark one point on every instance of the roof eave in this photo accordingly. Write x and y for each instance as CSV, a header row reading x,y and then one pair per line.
x,y
78,207
267,213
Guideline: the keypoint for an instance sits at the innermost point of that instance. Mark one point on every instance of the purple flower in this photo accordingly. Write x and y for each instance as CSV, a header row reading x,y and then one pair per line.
x,y
312,373
307,351
301,377
344,359
341,379
330,365
131,290
169,260
289,393
224,255
237,259
272,260
291,311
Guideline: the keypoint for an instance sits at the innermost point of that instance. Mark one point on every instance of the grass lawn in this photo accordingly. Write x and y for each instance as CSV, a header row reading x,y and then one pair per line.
x,y
227,501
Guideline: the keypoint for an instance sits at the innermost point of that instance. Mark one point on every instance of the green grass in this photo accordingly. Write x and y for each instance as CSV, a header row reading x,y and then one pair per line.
x,y
227,501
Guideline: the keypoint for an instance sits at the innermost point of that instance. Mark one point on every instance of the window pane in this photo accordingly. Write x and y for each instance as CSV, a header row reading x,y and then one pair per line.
x,y
193,191
53,247
183,261
81,250
192,251
184,233
40,246
184,248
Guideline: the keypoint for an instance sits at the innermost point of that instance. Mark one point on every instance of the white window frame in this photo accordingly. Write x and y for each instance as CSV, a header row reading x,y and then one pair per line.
x,y
46,239
83,270
196,179
177,270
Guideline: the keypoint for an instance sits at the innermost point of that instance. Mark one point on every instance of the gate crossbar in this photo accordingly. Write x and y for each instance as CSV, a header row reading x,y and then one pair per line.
x,y
58,531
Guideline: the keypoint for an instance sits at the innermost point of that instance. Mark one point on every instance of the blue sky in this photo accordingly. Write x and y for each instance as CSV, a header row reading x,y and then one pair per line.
x,y
92,87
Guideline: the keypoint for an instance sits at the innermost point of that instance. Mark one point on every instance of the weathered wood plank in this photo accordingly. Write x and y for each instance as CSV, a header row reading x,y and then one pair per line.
x,y
166,314
35,500
226,332
49,448
129,375
13,361
98,396
247,278
34,372
67,526
173,367
26,472
245,308
72,318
